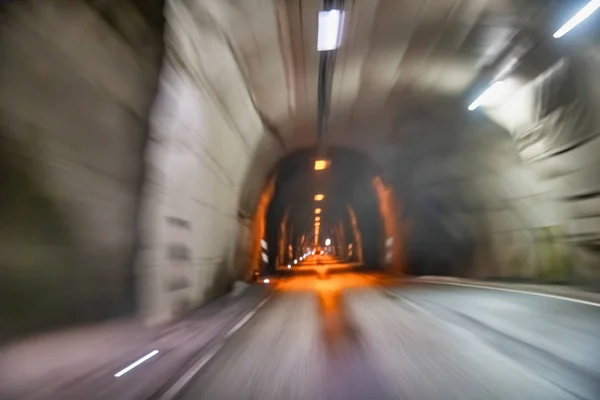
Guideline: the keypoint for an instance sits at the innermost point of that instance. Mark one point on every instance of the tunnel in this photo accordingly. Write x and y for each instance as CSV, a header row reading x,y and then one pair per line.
x,y
154,153
346,198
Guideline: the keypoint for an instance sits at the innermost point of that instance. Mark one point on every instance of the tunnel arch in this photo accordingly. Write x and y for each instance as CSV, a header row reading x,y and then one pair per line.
x,y
295,175
231,105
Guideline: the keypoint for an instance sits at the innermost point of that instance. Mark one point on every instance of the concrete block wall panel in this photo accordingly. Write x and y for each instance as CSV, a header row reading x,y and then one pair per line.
x,y
74,99
564,161
487,199
209,159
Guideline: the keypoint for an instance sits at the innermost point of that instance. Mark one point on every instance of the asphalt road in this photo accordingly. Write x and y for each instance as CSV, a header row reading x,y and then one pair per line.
x,y
346,338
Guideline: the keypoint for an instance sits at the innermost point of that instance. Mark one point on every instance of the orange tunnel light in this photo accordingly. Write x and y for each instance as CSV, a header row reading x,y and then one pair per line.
x,y
317,219
319,197
321,165
317,211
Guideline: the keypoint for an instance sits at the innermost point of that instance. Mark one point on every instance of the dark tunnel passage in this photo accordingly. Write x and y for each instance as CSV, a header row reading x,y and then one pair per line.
x,y
347,187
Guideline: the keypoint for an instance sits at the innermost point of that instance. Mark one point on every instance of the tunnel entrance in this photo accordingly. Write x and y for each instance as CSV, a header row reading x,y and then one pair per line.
x,y
338,210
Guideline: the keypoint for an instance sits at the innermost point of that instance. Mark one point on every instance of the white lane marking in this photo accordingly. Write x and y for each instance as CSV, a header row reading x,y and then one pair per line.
x,y
183,381
552,296
244,320
190,373
135,364
467,334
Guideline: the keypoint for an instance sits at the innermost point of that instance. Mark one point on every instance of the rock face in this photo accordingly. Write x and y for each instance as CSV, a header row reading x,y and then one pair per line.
x,y
76,86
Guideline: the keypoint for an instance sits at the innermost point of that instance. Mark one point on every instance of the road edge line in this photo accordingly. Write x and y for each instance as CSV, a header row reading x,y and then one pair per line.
x,y
182,382
501,289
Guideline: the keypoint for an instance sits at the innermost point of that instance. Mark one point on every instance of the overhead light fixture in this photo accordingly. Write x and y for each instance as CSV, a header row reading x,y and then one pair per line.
x,y
490,96
317,219
578,18
321,165
330,30
319,197
317,211
327,242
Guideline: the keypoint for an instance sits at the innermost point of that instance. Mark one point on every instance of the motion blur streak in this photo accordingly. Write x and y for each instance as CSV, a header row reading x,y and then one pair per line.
x,y
259,188
344,337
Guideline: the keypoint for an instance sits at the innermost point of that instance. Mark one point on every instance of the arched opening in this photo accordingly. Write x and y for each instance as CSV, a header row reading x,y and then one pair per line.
x,y
355,211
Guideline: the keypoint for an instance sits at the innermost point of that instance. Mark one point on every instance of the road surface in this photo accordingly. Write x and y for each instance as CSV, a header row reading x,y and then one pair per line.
x,y
347,338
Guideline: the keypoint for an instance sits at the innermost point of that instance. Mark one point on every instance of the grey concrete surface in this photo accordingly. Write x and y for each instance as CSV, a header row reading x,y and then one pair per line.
x,y
75,94
345,338
554,337
80,363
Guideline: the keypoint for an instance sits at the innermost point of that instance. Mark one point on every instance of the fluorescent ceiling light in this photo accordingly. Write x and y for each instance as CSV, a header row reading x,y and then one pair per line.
x,y
330,30
578,18
490,96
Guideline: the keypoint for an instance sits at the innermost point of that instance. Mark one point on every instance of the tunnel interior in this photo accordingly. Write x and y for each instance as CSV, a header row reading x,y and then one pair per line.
x,y
346,186
160,142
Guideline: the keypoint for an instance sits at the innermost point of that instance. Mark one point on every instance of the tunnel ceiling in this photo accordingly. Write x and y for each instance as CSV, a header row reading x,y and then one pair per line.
x,y
402,66
401,83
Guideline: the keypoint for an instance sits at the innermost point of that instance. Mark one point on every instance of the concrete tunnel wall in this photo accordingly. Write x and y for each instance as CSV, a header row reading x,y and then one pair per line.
x,y
73,134
557,140
209,160
76,86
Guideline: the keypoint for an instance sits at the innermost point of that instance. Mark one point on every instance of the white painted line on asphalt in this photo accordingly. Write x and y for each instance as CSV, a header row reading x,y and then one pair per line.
x,y
174,390
135,364
183,381
244,320
552,296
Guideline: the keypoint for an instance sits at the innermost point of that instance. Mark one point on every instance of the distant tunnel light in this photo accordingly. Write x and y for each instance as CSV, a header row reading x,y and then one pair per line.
x,y
295,261
330,32
135,364
321,165
317,219
490,96
289,266
266,280
327,242
319,197
578,18
317,211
